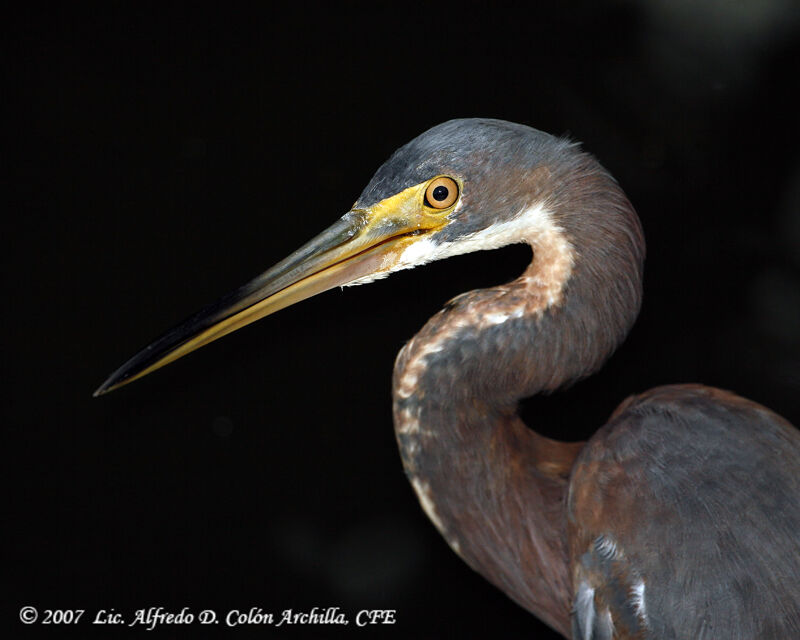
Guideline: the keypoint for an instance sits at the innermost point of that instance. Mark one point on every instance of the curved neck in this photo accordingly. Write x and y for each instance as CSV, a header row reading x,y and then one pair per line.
x,y
495,489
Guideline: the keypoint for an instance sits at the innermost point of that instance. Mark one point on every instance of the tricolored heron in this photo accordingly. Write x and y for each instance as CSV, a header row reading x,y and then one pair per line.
x,y
680,518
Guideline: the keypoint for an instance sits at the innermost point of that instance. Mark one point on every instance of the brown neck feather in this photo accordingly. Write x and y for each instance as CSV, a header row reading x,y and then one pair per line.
x,y
495,489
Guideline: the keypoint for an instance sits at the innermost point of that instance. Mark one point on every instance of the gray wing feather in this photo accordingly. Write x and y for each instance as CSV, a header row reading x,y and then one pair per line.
x,y
700,492
587,624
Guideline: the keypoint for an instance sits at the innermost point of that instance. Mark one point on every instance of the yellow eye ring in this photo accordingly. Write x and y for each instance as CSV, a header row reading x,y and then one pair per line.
x,y
441,193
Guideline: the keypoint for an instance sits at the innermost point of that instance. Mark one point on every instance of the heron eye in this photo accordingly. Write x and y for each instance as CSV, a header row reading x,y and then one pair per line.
x,y
441,193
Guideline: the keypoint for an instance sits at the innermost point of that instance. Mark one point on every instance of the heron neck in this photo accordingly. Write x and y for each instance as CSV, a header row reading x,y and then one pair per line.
x,y
495,489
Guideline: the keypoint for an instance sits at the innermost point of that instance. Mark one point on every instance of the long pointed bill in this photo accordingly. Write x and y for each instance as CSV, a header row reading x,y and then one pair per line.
x,y
363,244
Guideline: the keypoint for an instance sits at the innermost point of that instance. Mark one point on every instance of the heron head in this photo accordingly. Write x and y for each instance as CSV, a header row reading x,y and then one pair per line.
x,y
462,186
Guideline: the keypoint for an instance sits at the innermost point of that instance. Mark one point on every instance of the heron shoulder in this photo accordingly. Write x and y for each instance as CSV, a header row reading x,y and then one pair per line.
x,y
696,487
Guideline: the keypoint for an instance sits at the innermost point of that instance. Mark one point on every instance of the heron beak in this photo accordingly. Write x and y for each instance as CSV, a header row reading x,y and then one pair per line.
x,y
363,244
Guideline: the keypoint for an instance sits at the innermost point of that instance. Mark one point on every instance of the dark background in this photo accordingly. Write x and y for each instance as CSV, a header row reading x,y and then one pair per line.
x,y
157,158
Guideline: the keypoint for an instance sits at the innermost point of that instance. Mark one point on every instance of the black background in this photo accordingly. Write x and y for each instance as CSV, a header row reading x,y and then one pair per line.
x,y
157,158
